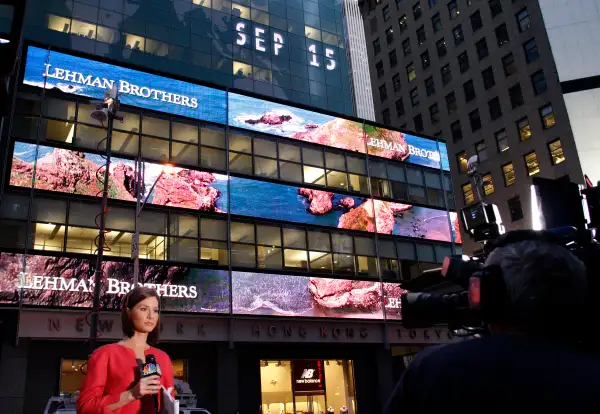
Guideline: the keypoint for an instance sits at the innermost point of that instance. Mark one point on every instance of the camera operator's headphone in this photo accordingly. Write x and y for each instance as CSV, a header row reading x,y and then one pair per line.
x,y
487,288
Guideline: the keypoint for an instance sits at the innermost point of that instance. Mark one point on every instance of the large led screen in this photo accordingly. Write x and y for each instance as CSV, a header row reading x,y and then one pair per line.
x,y
315,297
397,145
64,281
85,77
268,200
75,172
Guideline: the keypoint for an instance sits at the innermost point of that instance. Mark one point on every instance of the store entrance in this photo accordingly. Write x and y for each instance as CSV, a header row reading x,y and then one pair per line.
x,y
307,386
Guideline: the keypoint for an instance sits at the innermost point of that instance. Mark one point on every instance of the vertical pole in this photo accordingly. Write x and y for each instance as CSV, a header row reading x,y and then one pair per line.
x,y
101,238
136,235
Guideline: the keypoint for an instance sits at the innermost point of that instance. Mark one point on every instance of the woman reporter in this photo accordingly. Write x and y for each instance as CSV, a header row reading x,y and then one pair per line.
x,y
113,382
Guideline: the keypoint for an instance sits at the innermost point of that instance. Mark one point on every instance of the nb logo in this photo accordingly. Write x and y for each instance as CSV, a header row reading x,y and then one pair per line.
x,y
308,373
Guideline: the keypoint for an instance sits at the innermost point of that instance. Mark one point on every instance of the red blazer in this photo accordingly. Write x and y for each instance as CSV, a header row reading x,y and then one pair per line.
x,y
113,369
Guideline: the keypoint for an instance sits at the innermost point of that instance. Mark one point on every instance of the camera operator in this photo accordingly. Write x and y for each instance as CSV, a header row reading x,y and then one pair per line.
x,y
528,360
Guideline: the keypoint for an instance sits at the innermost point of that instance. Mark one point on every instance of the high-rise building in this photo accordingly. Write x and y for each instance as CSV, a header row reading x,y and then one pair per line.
x,y
276,229
484,75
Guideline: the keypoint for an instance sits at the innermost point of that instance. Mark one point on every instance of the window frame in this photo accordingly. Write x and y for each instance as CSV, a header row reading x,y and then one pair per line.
x,y
564,158
537,161
504,173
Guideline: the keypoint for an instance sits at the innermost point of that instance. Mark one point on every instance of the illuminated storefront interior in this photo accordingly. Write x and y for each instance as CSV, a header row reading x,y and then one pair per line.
x,y
307,386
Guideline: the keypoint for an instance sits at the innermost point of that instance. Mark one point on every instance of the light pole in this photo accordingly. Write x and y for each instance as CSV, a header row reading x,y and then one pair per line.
x,y
139,206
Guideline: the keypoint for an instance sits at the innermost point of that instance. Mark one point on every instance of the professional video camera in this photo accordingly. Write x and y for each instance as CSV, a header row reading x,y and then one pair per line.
x,y
560,212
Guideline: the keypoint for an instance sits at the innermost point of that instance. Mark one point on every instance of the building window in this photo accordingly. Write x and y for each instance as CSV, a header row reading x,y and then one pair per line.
x,y
382,93
532,164
373,25
524,129
523,20
509,174
508,62
501,140
475,120
386,117
429,86
516,96
495,109
462,160
453,10
434,114
456,131
487,184
411,74
432,3
480,149
469,89
417,12
502,35
414,97
482,49
488,78
468,195
389,35
538,81
451,103
393,58
476,22
436,22
421,36
463,62
442,50
531,50
396,82
402,22
400,107
495,7
547,115
418,122
376,46
459,37
379,67
556,152
446,74
386,12
406,46
425,61
514,207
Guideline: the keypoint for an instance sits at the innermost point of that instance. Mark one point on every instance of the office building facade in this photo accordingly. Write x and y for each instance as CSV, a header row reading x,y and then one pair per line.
x,y
277,234
483,74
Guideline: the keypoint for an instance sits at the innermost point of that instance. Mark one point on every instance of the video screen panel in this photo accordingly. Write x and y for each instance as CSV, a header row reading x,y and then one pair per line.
x,y
90,78
68,282
75,172
268,294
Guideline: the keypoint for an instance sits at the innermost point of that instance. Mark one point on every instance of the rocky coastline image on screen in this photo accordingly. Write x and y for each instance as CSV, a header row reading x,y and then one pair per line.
x,y
212,286
90,78
74,172
314,297
325,208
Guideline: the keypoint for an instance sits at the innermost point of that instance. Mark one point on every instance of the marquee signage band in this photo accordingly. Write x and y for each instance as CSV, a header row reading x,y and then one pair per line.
x,y
90,78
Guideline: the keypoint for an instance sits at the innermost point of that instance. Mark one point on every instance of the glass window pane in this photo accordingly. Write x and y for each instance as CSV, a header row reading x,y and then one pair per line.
x,y
342,243
155,126
120,218
265,167
396,172
320,262
185,250
131,120
356,165
319,240
240,163
83,213
185,132
343,263
214,137
432,180
367,266
212,252
377,169
152,247
294,238
269,257
90,137
49,236
364,245
184,153
240,143
265,148
59,108
107,35
414,176
125,142
296,258
337,179
242,232
243,255
425,252
269,235
314,175
213,229
152,222
154,148
62,131
83,29
387,248
289,152
15,206
335,161
184,225
406,250
358,183
290,171
312,157
212,158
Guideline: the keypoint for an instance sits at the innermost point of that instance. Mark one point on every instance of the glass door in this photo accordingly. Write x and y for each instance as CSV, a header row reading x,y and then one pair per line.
x,y
310,404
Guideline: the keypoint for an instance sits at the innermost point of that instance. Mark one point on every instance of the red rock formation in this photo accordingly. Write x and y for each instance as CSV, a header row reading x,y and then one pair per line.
x,y
337,293
373,213
270,118
66,171
320,201
187,189
399,208
125,174
456,226
387,143
347,202
338,133
20,173
356,219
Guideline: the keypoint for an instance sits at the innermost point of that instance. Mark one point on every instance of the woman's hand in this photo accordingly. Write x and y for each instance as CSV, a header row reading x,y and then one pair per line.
x,y
146,386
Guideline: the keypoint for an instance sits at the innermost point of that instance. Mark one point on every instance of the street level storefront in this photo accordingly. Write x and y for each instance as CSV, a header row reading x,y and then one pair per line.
x,y
245,365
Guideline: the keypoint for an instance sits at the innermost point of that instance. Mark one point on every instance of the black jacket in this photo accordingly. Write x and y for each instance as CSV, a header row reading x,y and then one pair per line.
x,y
499,374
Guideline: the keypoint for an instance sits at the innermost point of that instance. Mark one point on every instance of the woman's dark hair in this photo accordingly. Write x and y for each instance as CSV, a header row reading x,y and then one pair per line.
x,y
132,298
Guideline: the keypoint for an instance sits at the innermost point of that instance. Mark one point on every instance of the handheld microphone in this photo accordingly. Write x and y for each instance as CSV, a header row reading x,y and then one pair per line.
x,y
150,368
